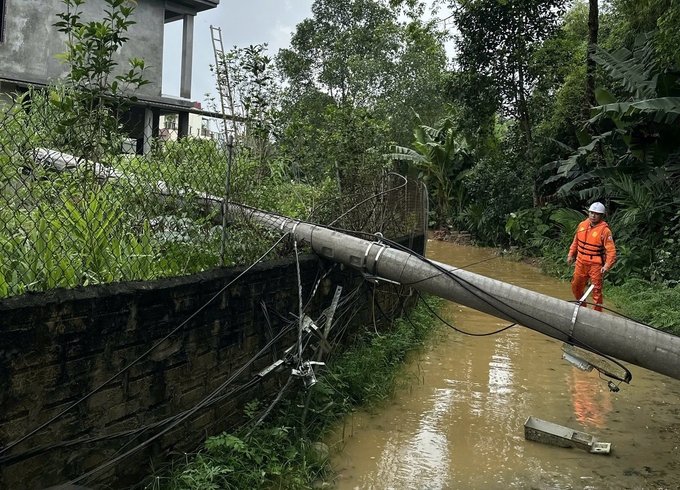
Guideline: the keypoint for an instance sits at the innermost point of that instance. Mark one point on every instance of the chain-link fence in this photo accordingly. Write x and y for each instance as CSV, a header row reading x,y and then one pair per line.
x,y
80,204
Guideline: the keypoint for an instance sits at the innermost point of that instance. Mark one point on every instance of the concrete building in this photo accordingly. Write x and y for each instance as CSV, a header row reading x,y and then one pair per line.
x,y
29,43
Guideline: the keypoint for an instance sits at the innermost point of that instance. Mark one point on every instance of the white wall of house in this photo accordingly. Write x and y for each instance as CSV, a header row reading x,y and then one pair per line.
x,y
199,127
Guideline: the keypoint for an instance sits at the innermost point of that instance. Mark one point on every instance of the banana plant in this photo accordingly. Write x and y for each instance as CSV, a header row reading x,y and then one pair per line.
x,y
441,159
640,131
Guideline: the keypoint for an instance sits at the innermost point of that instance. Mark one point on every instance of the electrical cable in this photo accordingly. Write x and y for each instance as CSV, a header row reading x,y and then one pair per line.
x,y
276,400
454,268
373,196
152,348
408,318
340,310
13,458
250,384
427,305
395,306
138,431
350,310
188,413
628,376
467,285
270,330
184,415
470,334
382,312
325,274
301,319
203,403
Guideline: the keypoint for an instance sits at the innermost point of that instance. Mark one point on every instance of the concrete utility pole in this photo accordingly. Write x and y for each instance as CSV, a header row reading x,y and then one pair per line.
x,y
617,337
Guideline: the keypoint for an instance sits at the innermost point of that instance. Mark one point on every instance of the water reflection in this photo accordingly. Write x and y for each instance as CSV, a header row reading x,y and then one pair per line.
x,y
421,460
462,428
592,402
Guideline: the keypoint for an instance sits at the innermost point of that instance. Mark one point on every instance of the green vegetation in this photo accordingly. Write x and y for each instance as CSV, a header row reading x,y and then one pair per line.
x,y
280,453
543,112
315,129
549,111
65,229
653,303
442,162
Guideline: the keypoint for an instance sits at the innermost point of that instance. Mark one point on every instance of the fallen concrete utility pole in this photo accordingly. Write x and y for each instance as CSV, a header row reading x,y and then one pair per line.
x,y
613,336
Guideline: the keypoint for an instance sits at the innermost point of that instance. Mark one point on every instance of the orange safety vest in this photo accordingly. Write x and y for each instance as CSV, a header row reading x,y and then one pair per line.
x,y
589,242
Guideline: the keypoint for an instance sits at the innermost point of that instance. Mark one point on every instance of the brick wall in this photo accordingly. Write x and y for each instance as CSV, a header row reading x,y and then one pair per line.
x,y
58,346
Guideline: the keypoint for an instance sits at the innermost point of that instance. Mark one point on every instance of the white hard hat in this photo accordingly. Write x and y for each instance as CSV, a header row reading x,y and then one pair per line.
x,y
597,207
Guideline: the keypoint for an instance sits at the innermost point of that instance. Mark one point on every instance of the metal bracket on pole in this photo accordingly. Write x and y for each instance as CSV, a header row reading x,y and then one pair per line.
x,y
373,277
306,373
331,311
368,249
578,305
377,258
304,369
293,230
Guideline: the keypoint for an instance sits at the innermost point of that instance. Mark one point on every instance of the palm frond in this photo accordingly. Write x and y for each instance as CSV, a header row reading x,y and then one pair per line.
x,y
561,146
626,69
406,154
542,242
567,188
431,133
664,110
567,218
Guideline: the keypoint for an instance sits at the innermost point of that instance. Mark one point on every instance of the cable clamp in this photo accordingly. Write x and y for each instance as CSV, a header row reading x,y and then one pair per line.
x,y
368,249
382,246
306,372
295,228
377,258
270,369
578,305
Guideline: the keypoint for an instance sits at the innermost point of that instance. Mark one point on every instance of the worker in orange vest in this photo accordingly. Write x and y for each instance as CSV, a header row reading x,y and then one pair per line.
x,y
594,251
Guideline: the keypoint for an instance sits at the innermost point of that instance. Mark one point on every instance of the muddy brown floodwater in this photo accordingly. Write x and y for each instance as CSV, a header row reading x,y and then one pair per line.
x,y
460,422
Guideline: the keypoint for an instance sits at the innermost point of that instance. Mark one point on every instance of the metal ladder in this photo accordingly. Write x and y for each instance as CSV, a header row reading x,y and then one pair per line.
x,y
222,74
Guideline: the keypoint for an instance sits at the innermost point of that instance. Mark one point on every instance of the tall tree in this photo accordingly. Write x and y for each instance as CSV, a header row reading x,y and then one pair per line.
x,y
497,39
342,49
359,52
593,29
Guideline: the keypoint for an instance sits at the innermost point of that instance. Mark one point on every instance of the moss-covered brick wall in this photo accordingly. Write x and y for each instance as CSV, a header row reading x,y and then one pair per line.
x,y
58,346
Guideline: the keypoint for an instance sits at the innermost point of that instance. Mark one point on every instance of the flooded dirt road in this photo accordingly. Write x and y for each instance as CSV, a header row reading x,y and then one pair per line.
x,y
460,423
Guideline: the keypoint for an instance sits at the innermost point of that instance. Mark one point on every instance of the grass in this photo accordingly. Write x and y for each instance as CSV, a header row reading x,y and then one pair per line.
x,y
655,304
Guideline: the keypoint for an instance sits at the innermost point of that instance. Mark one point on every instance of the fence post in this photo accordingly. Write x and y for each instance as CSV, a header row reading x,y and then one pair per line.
x,y
225,201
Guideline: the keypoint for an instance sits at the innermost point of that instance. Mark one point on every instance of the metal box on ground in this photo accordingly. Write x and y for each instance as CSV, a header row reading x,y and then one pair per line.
x,y
548,433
